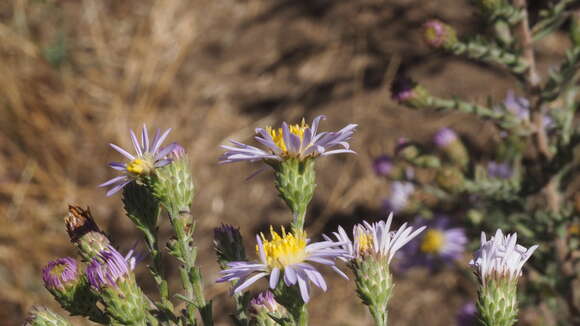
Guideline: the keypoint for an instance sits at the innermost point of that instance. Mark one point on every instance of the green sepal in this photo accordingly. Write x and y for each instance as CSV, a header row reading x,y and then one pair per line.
x,y
79,300
125,304
497,303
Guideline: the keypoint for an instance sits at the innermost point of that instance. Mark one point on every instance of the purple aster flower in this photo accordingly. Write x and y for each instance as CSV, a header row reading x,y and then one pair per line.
x,y
518,106
500,257
501,170
383,165
295,141
60,273
148,156
286,256
444,137
264,301
401,192
467,315
375,239
110,266
441,243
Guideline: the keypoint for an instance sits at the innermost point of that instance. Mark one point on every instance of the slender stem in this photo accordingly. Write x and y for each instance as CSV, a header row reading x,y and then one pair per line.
x,y
526,42
379,315
299,217
302,316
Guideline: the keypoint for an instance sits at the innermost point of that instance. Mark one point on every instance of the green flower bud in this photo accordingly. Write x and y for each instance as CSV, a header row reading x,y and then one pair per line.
x,y
374,283
439,35
141,206
42,316
498,304
407,92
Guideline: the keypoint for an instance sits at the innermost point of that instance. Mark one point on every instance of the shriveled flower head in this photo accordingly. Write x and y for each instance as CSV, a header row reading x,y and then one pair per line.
x,y
299,141
60,273
109,267
264,301
148,156
441,243
228,244
444,137
500,257
376,239
289,256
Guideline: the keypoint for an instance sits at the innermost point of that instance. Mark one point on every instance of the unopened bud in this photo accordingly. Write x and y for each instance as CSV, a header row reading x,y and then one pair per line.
x,y
228,244
42,316
439,35
448,141
406,91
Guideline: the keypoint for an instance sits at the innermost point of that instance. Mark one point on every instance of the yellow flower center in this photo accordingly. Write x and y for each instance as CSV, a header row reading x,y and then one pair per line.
x,y
284,249
58,270
139,166
278,134
432,241
365,242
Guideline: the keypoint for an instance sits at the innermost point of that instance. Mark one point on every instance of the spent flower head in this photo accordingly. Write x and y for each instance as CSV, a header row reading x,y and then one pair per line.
x,y
500,257
286,256
437,34
148,156
299,141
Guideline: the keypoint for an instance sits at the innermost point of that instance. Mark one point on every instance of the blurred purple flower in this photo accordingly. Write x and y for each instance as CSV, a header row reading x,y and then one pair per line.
x,y
264,301
400,193
441,243
402,89
287,256
295,141
467,315
520,107
108,267
501,170
148,157
444,137
383,165
58,273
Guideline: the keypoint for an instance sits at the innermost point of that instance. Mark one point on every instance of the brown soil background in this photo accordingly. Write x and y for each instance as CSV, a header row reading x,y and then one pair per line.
x,y
76,75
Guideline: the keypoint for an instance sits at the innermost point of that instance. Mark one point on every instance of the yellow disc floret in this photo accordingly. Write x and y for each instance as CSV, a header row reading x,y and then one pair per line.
x,y
432,242
278,134
365,242
284,249
139,166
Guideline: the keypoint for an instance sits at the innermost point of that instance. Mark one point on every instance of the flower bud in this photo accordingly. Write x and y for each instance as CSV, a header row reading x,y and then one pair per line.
x,y
141,206
64,280
439,35
263,306
383,165
405,91
448,141
42,316
406,149
228,244
84,232
450,179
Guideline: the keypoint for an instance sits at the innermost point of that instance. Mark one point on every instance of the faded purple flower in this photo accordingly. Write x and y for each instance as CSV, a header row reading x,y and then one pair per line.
x,y
148,156
467,315
383,165
108,267
444,137
400,194
286,256
441,243
501,170
295,141
500,256
59,273
437,34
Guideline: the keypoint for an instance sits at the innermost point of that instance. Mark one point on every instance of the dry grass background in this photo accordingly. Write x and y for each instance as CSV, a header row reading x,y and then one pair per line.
x,y
76,75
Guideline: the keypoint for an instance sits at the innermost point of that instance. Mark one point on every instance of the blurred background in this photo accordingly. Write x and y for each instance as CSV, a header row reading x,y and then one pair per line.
x,y
77,75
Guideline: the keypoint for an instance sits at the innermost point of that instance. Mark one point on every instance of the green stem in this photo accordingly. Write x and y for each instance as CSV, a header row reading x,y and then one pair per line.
x,y
483,112
299,217
302,316
379,315
490,53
